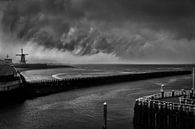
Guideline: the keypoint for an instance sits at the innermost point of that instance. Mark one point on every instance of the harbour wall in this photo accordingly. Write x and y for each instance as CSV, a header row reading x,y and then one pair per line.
x,y
152,112
45,87
11,89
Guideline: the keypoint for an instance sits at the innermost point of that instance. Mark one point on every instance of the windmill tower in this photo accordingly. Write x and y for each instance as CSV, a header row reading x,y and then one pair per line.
x,y
22,55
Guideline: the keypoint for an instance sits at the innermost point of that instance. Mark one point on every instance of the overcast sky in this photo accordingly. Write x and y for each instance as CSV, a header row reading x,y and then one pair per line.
x,y
107,31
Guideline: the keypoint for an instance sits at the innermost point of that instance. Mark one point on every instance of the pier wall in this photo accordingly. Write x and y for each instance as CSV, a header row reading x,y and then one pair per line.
x,y
153,112
44,87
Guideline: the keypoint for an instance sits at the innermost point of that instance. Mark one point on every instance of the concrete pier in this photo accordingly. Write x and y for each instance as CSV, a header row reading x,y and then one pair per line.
x,y
44,87
156,112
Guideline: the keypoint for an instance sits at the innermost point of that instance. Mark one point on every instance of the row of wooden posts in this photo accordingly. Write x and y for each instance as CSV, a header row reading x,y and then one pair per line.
x,y
43,87
153,113
107,78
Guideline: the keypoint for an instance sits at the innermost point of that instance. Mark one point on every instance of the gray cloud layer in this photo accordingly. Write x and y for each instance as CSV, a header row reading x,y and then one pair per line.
x,y
127,28
162,13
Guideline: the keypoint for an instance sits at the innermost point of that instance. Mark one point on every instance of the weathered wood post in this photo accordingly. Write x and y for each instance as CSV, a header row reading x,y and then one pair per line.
x,y
193,79
173,93
149,114
184,93
192,94
136,113
159,115
171,124
155,115
192,118
165,115
162,91
145,112
105,115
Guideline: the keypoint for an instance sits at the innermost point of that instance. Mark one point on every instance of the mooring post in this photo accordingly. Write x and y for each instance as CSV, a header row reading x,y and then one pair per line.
x,y
193,79
173,93
180,100
193,94
105,116
162,91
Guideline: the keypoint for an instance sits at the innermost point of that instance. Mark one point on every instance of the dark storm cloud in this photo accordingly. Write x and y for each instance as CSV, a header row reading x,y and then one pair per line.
x,y
163,9
173,15
126,28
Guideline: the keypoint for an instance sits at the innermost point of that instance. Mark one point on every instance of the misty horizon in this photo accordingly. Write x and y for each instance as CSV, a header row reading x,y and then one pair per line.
x,y
98,31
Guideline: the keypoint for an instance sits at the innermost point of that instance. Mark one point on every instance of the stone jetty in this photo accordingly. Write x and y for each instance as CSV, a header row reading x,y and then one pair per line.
x,y
44,87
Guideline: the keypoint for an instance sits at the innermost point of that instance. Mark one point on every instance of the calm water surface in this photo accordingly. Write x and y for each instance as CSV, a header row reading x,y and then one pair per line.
x,y
83,108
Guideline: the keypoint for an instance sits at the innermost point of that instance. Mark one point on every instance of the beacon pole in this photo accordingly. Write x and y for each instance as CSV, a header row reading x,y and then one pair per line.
x,y
162,91
193,88
105,116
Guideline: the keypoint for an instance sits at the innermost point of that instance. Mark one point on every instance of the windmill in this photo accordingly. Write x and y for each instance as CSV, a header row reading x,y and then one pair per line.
x,y
22,55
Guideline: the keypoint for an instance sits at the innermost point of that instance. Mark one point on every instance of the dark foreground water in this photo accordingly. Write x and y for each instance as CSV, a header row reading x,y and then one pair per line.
x,y
83,108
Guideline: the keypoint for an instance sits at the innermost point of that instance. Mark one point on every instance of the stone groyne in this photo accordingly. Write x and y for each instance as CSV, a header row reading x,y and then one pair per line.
x,y
157,112
44,87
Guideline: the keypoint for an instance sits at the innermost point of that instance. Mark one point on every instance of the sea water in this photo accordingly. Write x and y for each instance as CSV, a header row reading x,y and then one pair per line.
x,y
83,108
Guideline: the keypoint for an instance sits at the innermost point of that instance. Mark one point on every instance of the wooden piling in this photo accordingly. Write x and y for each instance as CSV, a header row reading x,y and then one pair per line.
x,y
173,93
105,116
152,113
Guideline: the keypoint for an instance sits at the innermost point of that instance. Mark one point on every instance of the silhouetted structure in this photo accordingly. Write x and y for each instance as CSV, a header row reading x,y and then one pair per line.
x,y
22,55
153,112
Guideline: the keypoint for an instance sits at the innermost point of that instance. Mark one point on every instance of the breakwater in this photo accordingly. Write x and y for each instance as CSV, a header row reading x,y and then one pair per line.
x,y
157,112
40,66
44,87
